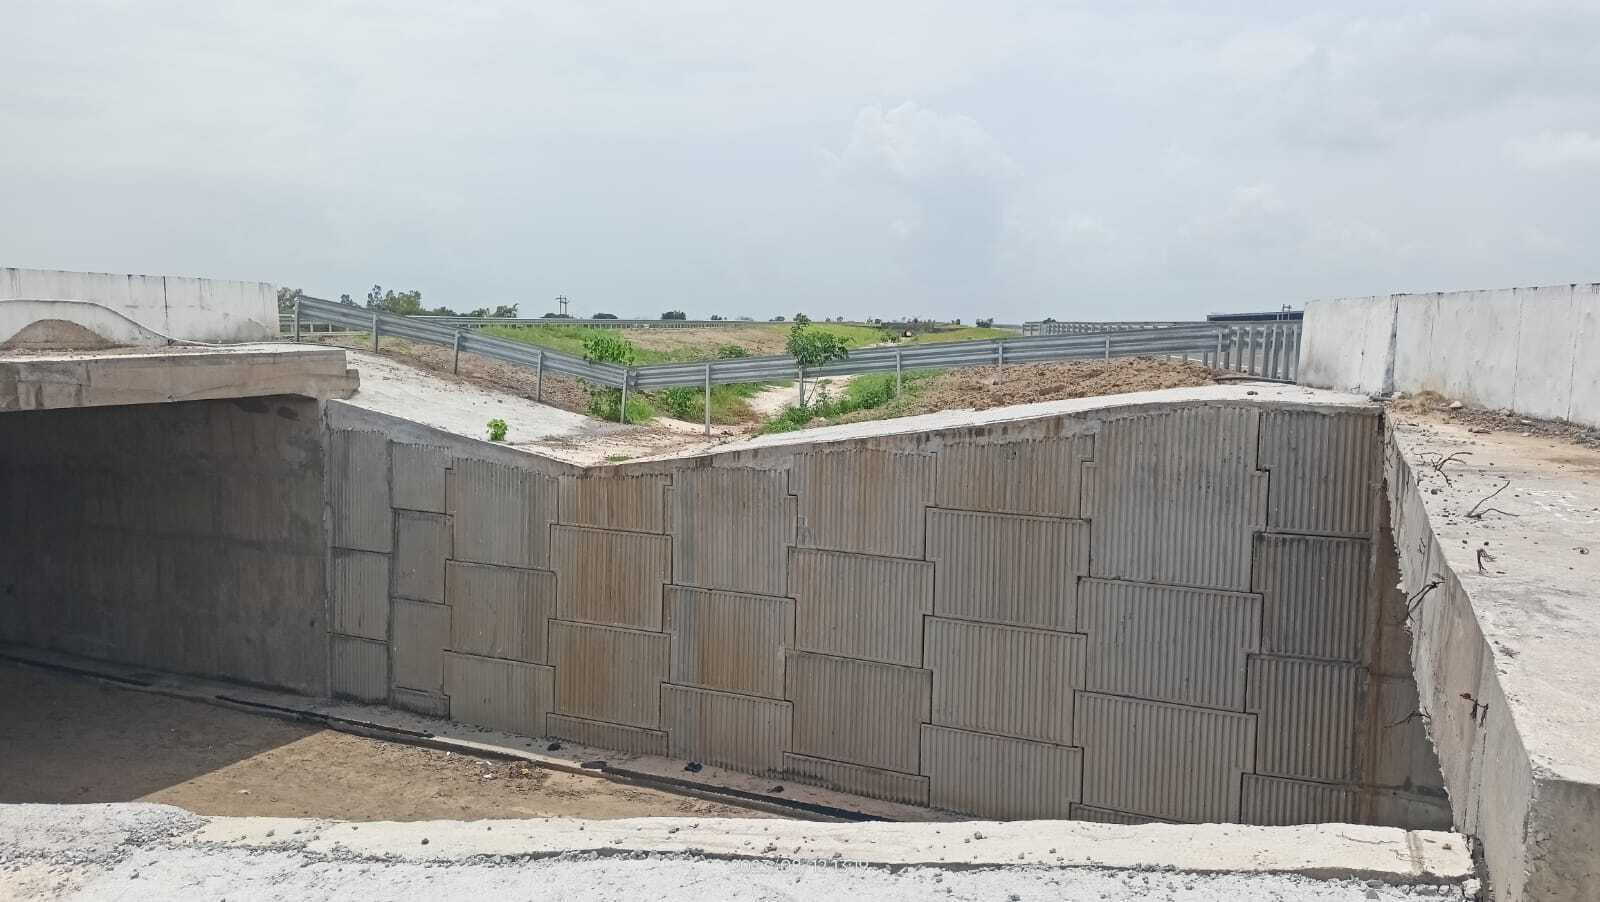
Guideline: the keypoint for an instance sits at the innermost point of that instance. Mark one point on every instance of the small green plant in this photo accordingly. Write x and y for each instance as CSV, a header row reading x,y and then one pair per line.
x,y
609,347
731,352
812,347
497,430
683,403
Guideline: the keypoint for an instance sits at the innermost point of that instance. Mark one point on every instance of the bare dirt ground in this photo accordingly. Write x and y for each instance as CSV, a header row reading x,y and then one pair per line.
x,y
985,387
757,339
1482,422
68,740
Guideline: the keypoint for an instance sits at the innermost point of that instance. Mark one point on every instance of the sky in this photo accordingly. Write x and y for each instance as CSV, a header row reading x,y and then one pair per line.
x,y
1013,160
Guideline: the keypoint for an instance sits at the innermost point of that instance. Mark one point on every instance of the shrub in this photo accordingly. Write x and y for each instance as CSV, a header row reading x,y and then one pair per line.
x,y
497,430
608,347
731,352
683,403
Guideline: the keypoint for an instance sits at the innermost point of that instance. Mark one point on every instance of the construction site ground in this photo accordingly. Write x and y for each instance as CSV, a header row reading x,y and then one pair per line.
x,y
67,740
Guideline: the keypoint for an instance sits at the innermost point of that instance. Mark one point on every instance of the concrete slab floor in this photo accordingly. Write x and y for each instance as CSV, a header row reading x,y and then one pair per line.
x,y
67,740
149,851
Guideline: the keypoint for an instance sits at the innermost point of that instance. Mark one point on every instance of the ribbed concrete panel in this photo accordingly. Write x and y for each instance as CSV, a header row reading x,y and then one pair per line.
x,y
859,606
1175,497
738,731
1004,679
728,640
866,501
501,514
360,669
421,634
1000,777
1007,568
417,476
430,704
1315,596
1108,816
731,529
1324,470
358,490
502,695
1163,760
500,612
421,545
1027,477
604,673
872,782
633,740
862,712
615,502
1164,643
361,594
1276,802
607,576
1308,714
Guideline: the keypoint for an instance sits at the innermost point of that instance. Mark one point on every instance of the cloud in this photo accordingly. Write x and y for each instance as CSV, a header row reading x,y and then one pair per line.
x,y
1556,150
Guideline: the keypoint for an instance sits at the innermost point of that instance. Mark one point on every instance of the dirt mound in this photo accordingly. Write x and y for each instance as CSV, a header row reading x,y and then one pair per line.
x,y
986,387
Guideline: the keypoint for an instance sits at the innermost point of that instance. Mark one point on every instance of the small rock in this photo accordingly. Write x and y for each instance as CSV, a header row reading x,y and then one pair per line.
x,y
693,767
553,747
424,840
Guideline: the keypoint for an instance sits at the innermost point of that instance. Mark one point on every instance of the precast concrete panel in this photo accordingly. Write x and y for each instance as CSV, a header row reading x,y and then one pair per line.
x,y
1323,471
421,545
1308,712
1003,679
615,502
862,712
1175,497
1315,596
502,695
610,674
1277,802
360,669
728,640
872,782
860,606
501,514
358,490
724,728
417,476
1163,760
863,500
500,612
428,704
420,636
1007,568
608,576
1168,643
1037,476
1000,777
361,593
602,735
731,529
1108,816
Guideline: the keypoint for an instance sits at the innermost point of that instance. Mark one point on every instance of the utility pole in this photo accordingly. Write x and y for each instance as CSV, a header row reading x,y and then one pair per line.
x,y
562,300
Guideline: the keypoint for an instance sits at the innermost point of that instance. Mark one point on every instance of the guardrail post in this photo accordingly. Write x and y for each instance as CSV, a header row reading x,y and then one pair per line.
x,y
1108,347
708,400
539,380
1000,354
296,320
455,354
897,353
622,412
1216,361
374,331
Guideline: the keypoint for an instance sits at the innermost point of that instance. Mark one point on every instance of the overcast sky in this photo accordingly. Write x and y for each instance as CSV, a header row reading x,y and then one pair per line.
x,y
962,159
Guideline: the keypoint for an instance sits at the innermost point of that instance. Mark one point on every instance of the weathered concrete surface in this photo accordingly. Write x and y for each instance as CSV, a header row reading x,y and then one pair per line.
x,y
1534,350
155,851
1504,619
185,537
134,309
51,381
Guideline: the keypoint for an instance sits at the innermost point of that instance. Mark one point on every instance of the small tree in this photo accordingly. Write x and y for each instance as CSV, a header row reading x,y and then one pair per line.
x,y
812,347
604,316
607,346
674,314
287,297
346,300
506,311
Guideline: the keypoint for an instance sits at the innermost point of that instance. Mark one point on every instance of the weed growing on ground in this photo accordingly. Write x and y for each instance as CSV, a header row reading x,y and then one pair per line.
x,y
497,430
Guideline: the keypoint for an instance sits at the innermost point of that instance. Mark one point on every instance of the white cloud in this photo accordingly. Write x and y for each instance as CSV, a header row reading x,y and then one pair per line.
x,y
1556,149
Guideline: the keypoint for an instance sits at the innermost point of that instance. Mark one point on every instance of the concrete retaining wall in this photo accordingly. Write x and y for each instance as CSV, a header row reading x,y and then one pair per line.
x,y
130,309
185,537
1179,616
1533,350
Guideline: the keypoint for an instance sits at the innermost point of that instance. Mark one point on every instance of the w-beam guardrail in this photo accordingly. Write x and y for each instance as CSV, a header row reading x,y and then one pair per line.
x,y
1266,350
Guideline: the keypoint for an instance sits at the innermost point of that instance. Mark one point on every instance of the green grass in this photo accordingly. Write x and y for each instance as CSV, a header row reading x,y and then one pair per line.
x,y
967,333
729,403
869,392
569,340
853,335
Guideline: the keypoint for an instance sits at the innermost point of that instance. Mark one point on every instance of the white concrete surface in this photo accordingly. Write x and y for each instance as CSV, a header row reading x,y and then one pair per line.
x,y
138,309
155,851
1533,350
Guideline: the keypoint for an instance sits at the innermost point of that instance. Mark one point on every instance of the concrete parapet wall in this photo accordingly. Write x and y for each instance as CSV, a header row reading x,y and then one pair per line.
x,y
1533,350
35,309
898,617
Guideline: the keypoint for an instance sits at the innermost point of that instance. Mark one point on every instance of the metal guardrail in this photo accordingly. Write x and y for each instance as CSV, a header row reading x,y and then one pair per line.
x,y
478,322
1091,327
1266,350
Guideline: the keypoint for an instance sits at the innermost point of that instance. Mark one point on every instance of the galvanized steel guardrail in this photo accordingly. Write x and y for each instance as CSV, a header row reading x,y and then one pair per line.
x,y
1266,350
